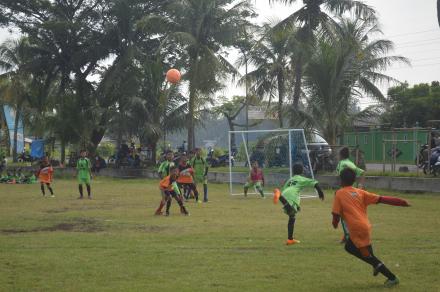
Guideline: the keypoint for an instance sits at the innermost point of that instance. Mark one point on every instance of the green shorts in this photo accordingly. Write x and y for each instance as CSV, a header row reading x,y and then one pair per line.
x,y
84,180
257,184
201,180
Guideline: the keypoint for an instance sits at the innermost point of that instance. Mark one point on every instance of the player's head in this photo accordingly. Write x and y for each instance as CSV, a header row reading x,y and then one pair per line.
x,y
198,152
348,177
169,155
174,171
183,159
297,169
45,159
344,153
254,164
83,153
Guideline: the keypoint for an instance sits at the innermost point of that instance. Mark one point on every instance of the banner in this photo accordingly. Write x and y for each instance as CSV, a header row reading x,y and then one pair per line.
x,y
37,149
9,113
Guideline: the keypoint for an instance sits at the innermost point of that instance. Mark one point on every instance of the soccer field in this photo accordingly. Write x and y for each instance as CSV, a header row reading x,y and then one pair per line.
x,y
114,242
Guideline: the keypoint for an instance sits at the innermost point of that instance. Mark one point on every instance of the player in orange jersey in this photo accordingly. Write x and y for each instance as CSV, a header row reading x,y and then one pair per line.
x,y
350,204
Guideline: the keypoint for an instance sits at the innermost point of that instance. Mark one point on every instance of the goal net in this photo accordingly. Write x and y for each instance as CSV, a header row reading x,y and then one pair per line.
x,y
276,151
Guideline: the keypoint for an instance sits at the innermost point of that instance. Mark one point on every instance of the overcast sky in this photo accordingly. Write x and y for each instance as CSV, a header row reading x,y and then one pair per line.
x,y
411,25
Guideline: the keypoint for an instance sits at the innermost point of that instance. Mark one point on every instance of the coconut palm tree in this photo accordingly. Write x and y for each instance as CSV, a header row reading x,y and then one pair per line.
x,y
343,68
204,28
438,11
271,57
314,15
15,82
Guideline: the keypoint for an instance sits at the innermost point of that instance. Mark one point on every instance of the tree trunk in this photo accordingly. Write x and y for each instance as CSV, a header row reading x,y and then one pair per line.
x,y
232,128
438,11
281,92
298,79
190,126
63,151
14,145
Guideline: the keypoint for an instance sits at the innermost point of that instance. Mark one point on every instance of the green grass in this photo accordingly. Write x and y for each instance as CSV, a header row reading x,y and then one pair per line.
x,y
113,242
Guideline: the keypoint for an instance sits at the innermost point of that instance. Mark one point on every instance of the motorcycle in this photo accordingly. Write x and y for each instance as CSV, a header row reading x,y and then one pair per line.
x,y
222,160
431,166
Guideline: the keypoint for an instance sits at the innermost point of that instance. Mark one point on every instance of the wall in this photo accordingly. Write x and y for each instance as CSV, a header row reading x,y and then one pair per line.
x,y
371,144
413,184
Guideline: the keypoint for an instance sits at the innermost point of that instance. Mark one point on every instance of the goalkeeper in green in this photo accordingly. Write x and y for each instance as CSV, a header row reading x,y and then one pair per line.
x,y
200,167
290,197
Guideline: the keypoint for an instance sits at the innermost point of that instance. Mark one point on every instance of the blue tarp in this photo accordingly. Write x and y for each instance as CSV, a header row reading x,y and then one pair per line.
x,y
37,148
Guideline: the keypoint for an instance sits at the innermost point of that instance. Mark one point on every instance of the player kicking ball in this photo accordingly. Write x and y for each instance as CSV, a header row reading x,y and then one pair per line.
x,y
256,179
290,197
171,190
350,204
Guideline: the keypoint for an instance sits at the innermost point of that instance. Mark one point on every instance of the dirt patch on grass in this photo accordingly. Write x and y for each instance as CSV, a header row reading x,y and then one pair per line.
x,y
77,225
56,211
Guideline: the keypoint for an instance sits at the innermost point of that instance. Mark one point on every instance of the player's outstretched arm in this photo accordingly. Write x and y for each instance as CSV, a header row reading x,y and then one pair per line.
x,y
320,192
335,220
393,201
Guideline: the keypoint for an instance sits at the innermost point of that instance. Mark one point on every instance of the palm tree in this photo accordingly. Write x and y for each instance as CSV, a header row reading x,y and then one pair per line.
x,y
205,28
15,82
344,67
313,15
271,57
438,11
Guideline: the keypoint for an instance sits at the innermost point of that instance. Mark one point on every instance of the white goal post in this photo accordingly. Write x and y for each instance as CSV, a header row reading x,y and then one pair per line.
x,y
275,150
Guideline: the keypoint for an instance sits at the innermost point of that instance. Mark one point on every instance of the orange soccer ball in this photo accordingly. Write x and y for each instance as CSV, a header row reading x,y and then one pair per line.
x,y
173,76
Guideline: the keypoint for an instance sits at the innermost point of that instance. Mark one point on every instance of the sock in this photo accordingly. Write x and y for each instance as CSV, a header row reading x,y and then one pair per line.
x,y
162,203
290,226
168,205
89,191
80,187
196,193
42,189
371,259
49,188
205,192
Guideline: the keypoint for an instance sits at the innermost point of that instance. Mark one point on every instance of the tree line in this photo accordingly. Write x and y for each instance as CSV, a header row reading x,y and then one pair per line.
x,y
82,69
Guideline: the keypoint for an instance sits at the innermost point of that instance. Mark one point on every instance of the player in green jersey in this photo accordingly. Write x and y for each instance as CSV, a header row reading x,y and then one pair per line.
x,y
84,174
200,167
290,197
345,162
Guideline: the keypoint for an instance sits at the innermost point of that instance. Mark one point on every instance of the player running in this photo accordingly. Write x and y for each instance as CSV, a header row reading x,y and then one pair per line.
x,y
350,204
345,162
171,190
290,197
164,171
186,180
45,176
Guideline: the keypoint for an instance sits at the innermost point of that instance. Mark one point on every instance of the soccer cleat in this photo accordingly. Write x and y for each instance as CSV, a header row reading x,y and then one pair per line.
x,y
292,241
199,201
167,213
391,283
158,213
80,197
52,196
276,196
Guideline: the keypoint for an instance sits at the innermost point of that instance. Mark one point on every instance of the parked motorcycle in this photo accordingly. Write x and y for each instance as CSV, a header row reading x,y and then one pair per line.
x,y
433,165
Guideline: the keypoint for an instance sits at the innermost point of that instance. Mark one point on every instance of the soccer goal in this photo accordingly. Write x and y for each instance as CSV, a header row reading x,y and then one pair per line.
x,y
276,151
